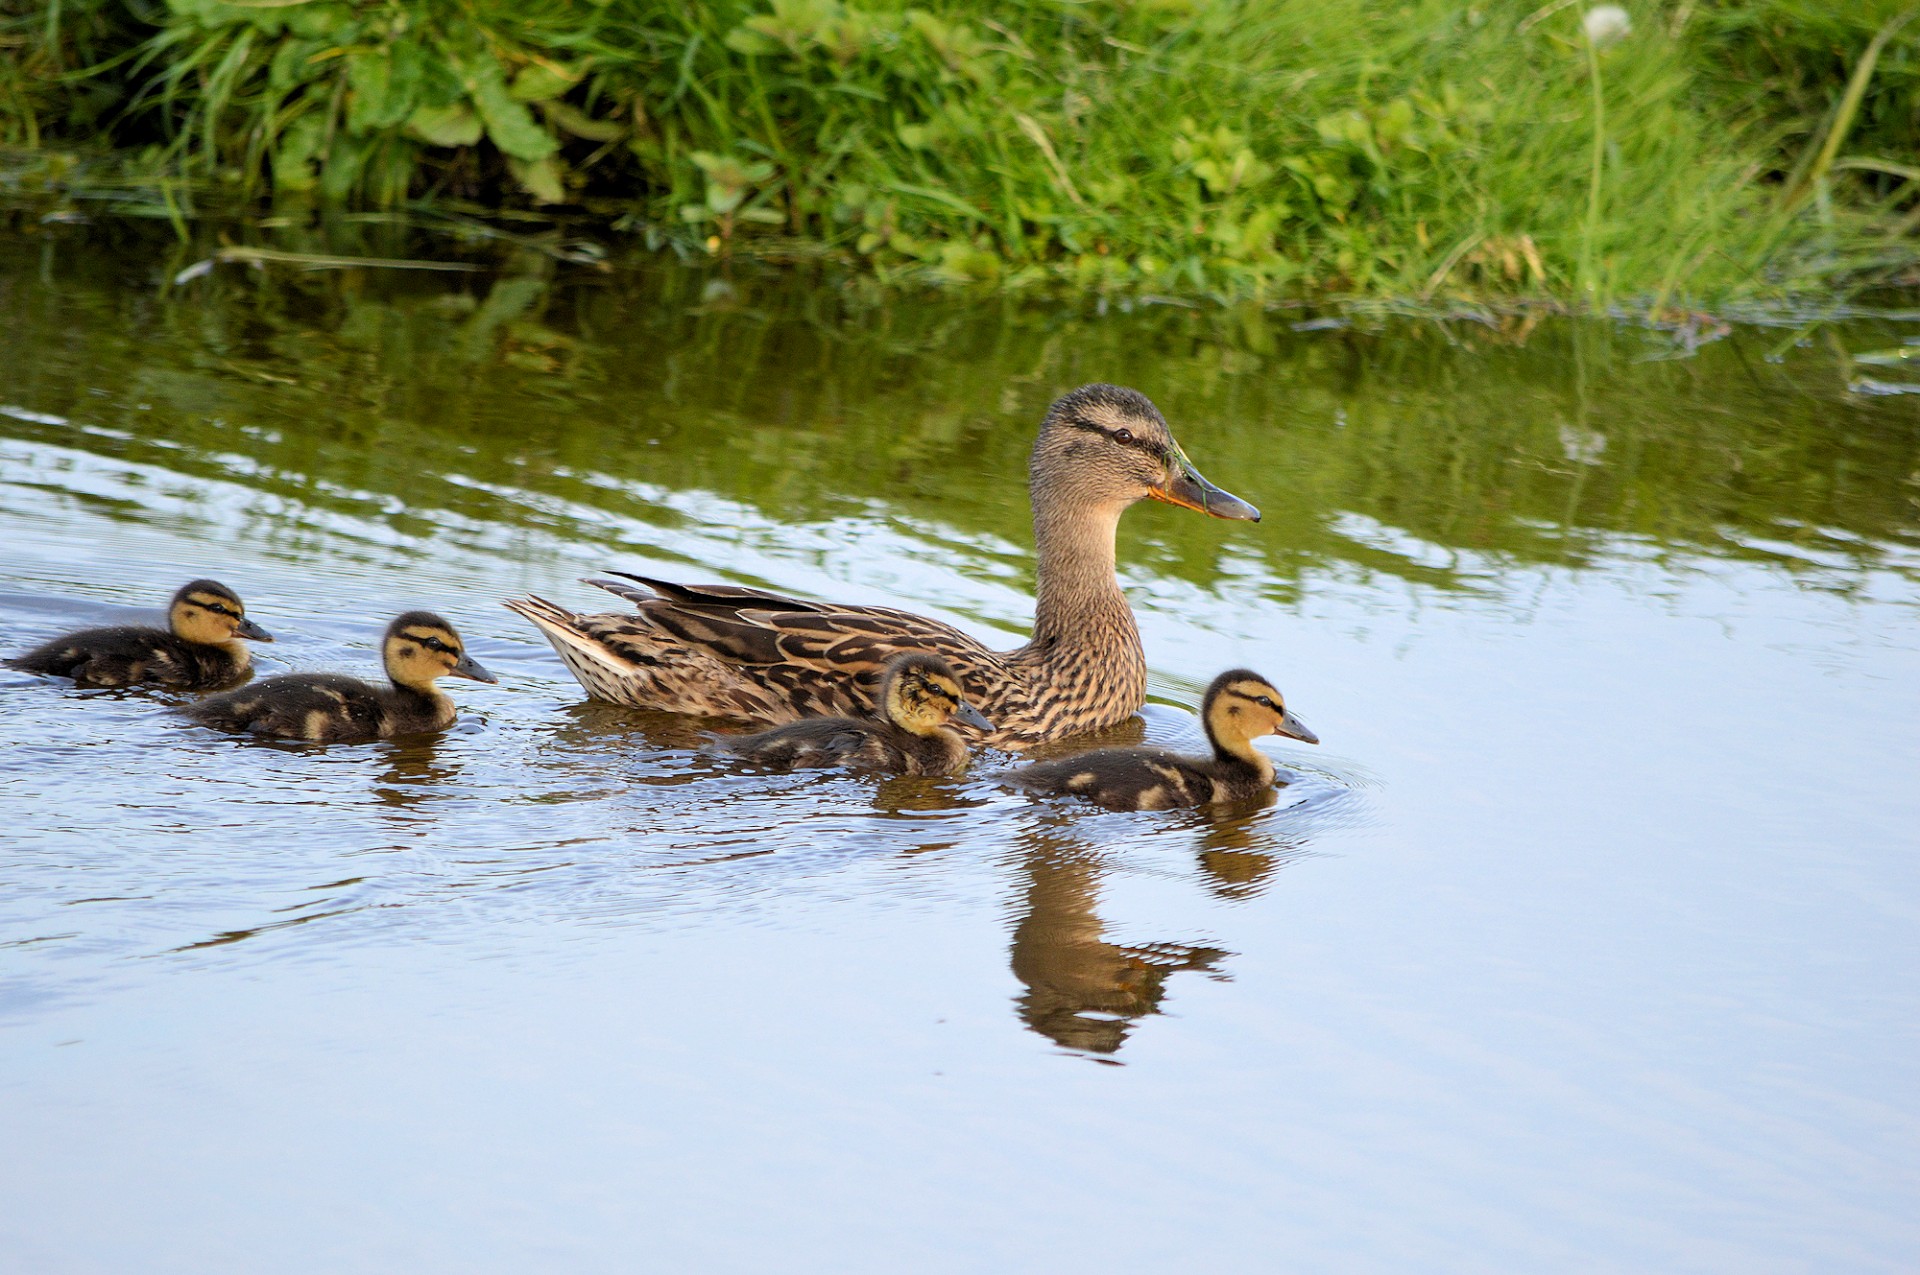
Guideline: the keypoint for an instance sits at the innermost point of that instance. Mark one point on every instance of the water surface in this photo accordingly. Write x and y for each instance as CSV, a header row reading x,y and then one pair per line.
x,y
1587,940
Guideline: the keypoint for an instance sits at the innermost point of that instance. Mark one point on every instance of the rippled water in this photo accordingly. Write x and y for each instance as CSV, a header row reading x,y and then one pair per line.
x,y
1586,941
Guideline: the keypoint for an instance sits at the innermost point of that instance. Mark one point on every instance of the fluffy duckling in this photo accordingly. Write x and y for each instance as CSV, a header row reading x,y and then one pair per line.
x,y
1239,707
918,695
334,709
200,648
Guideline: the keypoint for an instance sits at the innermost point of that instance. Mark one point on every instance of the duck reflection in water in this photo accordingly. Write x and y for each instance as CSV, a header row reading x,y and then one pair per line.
x,y
413,772
1086,993
1083,992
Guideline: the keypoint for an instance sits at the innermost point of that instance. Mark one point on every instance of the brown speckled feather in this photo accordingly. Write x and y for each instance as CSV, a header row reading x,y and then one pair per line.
x,y
762,658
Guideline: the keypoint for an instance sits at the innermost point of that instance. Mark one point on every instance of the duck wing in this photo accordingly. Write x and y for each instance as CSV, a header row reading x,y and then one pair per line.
x,y
731,651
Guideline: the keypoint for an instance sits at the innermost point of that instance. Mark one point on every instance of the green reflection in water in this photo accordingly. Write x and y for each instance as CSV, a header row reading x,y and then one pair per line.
x,y
542,397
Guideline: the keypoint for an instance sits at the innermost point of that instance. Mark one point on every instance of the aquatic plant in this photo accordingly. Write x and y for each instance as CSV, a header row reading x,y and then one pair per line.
x,y
1419,150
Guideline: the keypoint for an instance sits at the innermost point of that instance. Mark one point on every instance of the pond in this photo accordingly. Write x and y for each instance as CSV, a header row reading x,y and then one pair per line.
x,y
1585,940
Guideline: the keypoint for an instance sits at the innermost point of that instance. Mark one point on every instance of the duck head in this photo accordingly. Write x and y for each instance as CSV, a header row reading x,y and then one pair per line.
x,y
920,693
1103,446
1241,706
209,613
420,646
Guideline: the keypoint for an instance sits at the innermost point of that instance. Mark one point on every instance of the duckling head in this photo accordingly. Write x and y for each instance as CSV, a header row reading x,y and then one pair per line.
x,y
1105,447
420,646
1240,707
209,613
921,694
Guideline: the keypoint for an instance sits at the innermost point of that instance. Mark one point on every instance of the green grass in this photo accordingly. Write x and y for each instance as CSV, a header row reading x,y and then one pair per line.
x,y
1424,151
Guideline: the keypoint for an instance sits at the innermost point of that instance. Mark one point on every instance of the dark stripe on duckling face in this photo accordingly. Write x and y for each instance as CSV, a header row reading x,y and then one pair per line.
x,y
420,647
207,611
921,694
1266,710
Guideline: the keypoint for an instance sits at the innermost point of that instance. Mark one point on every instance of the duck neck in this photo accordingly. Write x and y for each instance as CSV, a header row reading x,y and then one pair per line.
x,y
421,690
1078,602
1238,753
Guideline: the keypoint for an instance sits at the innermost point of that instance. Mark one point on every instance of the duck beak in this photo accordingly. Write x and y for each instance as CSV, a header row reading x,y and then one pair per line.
x,y
470,667
1293,728
1189,490
251,631
968,715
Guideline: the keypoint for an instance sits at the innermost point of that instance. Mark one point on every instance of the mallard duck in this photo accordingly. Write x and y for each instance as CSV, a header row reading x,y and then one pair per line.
x,y
727,651
330,708
200,648
1239,707
909,735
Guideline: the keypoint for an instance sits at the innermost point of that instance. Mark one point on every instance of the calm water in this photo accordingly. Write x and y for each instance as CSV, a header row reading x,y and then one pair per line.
x,y
1587,941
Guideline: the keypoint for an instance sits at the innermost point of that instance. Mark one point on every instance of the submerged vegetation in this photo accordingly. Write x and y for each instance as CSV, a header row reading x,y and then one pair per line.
x,y
1663,156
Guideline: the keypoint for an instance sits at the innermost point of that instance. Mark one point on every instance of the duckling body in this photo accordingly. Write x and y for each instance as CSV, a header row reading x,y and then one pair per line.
x,y
726,651
909,735
1239,707
202,646
331,708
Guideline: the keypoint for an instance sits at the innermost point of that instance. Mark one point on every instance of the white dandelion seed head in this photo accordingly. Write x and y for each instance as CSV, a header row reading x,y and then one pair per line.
x,y
1607,24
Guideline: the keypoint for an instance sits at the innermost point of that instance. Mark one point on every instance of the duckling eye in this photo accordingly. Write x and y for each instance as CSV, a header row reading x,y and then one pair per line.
x,y
1264,702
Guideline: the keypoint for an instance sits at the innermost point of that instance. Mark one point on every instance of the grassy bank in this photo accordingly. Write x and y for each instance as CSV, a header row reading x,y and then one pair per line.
x,y
1711,153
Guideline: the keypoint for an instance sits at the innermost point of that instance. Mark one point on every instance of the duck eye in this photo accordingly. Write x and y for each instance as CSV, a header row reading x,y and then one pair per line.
x,y
1265,702
1123,436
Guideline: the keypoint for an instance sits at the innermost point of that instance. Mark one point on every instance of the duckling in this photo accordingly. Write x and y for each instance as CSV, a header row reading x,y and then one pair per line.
x,y
330,708
200,649
919,694
1239,707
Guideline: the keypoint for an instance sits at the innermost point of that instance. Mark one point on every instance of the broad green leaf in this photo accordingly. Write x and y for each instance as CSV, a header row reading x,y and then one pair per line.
x,y
753,43
509,123
289,66
340,170
294,152
538,82
313,21
540,178
382,86
455,125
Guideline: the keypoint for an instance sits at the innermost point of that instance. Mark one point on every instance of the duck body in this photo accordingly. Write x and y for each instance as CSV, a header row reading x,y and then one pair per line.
x,y
852,743
332,708
201,649
756,656
909,734
1239,707
326,708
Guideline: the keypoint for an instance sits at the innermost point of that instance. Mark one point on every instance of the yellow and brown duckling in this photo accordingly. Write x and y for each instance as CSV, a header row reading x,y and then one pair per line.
x,y
334,709
203,646
727,651
1239,707
909,735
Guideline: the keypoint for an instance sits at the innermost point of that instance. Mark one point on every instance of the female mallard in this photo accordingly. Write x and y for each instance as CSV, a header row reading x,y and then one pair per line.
x,y
332,709
919,695
200,648
1239,708
726,651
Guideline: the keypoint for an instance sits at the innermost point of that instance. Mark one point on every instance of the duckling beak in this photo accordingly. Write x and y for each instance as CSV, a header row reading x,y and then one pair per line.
x,y
470,667
968,715
1189,490
252,632
1293,728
